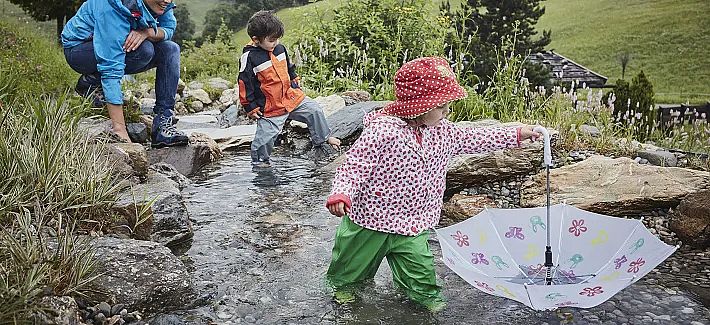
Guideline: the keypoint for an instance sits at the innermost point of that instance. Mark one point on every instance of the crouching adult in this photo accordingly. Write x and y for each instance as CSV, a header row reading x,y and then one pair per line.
x,y
109,38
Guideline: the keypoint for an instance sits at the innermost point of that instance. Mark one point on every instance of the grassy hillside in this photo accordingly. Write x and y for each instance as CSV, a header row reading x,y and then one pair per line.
x,y
668,39
198,9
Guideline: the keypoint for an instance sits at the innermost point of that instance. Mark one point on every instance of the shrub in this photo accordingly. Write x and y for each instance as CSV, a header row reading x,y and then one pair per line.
x,y
217,57
634,106
365,43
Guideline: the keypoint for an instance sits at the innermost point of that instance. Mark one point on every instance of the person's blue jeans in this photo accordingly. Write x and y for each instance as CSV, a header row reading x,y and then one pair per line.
x,y
164,56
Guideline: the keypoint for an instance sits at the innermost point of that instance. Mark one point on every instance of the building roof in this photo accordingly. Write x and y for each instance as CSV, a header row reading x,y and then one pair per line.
x,y
565,70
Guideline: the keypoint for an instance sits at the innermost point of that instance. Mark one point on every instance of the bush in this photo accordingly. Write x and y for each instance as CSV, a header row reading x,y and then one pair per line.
x,y
634,106
217,57
365,43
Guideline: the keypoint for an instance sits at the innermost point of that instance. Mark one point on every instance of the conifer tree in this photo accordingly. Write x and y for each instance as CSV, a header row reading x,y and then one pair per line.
x,y
490,25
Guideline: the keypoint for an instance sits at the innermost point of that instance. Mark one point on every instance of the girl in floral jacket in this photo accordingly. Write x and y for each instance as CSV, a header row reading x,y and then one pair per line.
x,y
390,188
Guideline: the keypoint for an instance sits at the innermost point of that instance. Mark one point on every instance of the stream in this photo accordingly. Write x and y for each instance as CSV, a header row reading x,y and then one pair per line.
x,y
262,244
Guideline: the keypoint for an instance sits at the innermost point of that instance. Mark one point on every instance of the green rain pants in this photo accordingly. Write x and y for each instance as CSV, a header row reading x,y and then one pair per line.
x,y
358,252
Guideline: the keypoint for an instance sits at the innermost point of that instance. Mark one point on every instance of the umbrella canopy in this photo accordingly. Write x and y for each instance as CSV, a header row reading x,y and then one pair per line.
x,y
551,257
501,252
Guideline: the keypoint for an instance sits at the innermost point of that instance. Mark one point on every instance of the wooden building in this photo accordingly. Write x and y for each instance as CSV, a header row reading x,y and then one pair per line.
x,y
565,70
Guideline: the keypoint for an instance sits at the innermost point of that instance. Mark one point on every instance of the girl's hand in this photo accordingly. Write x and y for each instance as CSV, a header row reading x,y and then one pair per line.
x,y
338,209
526,132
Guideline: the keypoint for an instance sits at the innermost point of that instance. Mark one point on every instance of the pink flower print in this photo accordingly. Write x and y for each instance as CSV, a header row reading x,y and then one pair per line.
x,y
479,258
515,232
620,261
484,286
461,238
636,265
577,227
591,292
569,275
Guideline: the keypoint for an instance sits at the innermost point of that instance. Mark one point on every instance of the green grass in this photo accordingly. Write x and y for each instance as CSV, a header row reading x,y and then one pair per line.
x,y
668,39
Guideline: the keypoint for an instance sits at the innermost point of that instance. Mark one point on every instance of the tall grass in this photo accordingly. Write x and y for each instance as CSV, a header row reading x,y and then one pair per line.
x,y
52,178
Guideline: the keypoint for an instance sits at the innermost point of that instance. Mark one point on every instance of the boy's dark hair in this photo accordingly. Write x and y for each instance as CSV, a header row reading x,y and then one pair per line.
x,y
264,24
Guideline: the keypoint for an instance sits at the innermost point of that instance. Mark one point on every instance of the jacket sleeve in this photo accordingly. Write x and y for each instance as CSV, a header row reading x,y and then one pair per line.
x,y
483,140
110,33
247,83
359,163
168,23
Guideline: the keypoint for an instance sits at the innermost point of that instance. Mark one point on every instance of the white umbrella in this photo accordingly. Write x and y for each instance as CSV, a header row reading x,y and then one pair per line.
x,y
553,256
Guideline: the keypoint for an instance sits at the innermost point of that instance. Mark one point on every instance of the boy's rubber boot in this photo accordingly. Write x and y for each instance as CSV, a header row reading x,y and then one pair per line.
x,y
165,134
88,87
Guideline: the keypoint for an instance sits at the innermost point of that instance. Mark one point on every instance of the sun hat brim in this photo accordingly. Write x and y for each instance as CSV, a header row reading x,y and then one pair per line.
x,y
415,107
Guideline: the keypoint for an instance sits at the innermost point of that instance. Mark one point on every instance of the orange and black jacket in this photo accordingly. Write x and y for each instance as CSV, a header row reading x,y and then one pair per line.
x,y
268,81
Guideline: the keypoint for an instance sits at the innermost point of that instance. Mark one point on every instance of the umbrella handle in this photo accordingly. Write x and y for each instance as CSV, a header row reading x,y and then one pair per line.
x,y
547,151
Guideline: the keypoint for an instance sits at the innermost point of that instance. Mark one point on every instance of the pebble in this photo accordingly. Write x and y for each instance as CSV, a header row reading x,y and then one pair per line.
x,y
249,319
223,315
687,310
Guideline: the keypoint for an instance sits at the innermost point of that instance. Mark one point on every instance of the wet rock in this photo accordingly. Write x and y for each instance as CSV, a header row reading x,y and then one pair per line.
x,y
346,123
461,207
659,158
138,132
691,220
615,186
170,172
230,117
167,320
143,275
188,159
233,136
57,311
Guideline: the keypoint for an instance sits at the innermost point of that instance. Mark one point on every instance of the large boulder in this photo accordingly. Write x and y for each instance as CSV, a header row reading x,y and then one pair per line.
x,y
461,207
691,220
473,170
144,276
188,159
346,123
615,186
155,211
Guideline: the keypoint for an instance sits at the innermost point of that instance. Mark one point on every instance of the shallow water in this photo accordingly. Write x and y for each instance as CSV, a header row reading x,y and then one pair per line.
x,y
262,245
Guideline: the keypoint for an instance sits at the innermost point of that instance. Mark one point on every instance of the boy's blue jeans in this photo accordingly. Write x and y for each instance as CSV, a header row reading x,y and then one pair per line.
x,y
164,56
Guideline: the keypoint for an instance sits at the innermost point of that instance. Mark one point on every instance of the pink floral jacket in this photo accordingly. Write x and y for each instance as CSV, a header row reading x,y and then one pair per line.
x,y
393,180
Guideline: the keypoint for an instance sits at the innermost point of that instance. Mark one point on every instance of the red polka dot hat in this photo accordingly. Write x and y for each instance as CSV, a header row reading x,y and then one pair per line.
x,y
423,84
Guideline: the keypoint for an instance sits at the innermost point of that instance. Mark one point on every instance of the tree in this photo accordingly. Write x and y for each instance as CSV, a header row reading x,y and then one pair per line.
x,y
46,10
624,59
490,27
634,105
185,26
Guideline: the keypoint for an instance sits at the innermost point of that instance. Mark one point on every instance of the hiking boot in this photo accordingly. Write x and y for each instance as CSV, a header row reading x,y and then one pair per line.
x,y
165,134
88,89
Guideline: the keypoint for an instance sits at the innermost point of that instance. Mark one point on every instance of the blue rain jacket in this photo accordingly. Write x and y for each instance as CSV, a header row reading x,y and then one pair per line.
x,y
107,23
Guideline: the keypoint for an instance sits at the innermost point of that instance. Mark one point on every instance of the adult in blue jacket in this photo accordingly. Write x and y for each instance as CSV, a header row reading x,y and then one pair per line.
x,y
109,38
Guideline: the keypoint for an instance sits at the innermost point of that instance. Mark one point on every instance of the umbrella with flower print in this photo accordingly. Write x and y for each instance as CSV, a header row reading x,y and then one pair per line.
x,y
551,257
